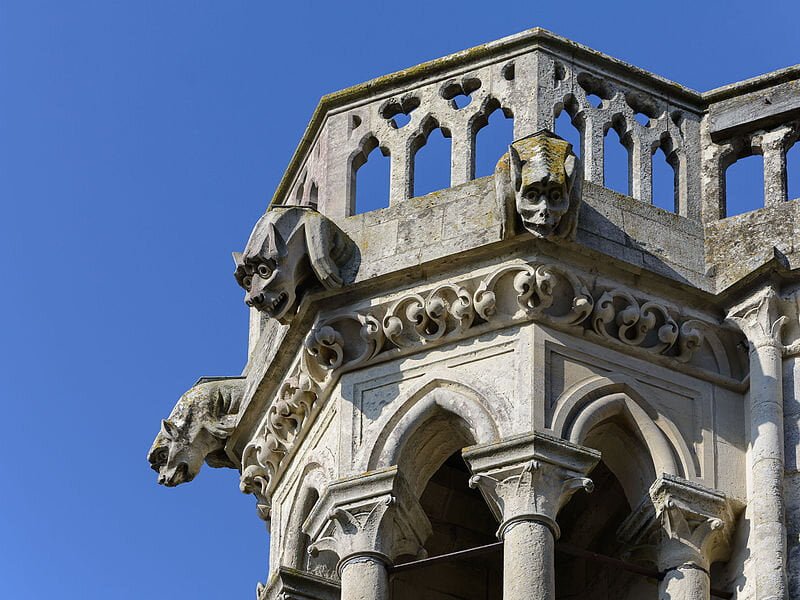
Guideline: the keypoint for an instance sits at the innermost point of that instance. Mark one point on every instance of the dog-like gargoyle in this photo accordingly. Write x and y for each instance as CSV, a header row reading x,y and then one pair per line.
x,y
196,430
541,178
291,248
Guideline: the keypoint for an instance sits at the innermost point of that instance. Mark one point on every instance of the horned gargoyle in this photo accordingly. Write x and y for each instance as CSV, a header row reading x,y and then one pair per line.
x,y
541,178
291,248
196,430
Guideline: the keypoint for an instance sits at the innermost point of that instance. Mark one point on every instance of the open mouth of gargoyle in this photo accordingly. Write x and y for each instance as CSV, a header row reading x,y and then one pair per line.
x,y
275,306
179,475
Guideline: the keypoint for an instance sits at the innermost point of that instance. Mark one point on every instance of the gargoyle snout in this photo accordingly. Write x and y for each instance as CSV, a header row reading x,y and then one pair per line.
x,y
254,300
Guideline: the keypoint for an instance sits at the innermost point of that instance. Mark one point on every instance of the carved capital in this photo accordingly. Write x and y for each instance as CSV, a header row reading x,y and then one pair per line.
x,y
776,140
681,523
374,514
530,477
760,319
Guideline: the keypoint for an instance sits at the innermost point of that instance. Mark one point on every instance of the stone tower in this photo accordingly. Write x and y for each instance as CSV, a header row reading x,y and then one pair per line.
x,y
526,385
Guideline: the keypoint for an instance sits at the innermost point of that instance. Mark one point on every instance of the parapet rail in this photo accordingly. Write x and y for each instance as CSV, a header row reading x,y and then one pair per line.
x,y
532,77
560,547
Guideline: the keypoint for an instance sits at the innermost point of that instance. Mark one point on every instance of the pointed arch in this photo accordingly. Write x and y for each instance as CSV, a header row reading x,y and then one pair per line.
x,y
313,480
437,418
641,443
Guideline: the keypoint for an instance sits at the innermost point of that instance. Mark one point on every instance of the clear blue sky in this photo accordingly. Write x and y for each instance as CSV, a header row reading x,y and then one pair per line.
x,y
139,142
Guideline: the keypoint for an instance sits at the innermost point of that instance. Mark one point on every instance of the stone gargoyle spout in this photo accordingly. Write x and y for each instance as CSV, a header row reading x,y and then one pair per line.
x,y
196,430
291,249
541,178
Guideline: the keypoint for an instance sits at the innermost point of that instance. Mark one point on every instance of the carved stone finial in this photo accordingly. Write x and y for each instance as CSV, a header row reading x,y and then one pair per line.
x,y
290,248
196,430
530,477
542,176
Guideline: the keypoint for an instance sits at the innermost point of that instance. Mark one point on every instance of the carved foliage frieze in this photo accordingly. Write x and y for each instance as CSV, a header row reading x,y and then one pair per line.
x,y
514,293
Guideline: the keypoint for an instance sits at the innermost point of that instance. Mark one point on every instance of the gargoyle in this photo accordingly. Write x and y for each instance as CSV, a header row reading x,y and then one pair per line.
x,y
289,250
542,177
196,430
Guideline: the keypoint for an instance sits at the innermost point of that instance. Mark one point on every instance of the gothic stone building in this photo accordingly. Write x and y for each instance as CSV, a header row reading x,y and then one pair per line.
x,y
526,385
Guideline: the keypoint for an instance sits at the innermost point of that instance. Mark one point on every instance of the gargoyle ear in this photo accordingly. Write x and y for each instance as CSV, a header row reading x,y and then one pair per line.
x,y
516,167
320,242
270,246
570,167
218,406
238,258
168,429
573,170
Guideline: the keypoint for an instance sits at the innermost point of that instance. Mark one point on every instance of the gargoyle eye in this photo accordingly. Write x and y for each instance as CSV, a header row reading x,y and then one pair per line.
x,y
247,281
555,195
264,270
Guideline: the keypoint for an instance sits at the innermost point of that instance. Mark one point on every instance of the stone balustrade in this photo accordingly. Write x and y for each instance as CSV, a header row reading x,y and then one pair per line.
x,y
533,77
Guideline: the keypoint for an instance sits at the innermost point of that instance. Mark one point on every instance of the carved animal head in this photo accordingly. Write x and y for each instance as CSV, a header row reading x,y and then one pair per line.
x,y
546,181
289,250
196,431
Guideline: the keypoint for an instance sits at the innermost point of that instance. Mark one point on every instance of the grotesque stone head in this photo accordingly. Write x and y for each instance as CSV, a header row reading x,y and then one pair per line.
x,y
196,430
543,175
289,250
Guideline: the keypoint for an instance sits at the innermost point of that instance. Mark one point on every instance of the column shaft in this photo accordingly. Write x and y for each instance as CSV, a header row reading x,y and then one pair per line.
x,y
529,562
766,438
760,319
686,582
364,578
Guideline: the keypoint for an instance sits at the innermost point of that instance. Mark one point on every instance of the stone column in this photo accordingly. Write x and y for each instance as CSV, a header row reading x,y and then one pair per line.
x,y
368,521
693,530
760,320
716,158
772,146
526,480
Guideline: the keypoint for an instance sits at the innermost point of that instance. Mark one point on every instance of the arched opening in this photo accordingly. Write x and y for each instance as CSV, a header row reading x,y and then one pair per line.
x,y
744,185
793,171
313,195
493,136
432,163
589,522
637,445
424,438
616,163
460,520
566,129
370,178
322,564
297,541
665,180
